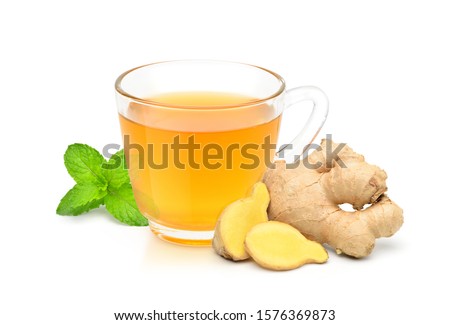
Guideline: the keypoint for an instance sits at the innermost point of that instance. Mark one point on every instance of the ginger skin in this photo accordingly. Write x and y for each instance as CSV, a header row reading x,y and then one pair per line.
x,y
236,220
309,198
278,246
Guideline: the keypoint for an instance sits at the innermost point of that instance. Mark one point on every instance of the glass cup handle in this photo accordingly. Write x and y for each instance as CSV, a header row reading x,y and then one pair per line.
x,y
313,125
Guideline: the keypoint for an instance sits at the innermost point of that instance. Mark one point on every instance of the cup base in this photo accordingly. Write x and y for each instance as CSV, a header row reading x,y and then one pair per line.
x,y
182,237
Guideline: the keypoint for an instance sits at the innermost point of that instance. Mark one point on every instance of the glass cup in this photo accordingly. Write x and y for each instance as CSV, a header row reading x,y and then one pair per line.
x,y
199,134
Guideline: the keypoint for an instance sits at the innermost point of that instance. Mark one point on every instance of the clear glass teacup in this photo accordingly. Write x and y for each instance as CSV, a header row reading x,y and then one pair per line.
x,y
199,134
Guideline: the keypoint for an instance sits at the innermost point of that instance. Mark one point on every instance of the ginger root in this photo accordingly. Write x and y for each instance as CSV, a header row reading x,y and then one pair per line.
x,y
237,219
308,199
279,246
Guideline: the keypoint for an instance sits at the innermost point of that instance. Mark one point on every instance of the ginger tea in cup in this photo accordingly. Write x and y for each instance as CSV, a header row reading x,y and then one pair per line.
x,y
198,135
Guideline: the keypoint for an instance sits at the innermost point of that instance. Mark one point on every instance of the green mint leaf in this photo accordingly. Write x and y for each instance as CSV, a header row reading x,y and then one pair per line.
x,y
84,164
80,199
84,208
122,205
115,171
99,182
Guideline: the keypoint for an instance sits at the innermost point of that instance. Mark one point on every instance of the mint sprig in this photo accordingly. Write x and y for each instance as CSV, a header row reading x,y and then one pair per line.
x,y
99,182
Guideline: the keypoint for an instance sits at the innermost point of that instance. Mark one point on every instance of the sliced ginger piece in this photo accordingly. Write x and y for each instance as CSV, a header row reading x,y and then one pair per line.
x,y
278,246
237,219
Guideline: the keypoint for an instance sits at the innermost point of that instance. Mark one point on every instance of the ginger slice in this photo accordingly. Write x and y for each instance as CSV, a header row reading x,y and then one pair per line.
x,y
237,219
278,246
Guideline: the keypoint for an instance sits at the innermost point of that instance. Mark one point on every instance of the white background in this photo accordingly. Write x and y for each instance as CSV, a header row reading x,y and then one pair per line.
x,y
385,66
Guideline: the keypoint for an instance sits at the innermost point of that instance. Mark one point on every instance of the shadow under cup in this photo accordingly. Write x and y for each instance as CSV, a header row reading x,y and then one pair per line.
x,y
197,136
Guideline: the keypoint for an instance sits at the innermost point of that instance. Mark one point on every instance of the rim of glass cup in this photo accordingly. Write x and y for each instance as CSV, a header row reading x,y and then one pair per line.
x,y
120,90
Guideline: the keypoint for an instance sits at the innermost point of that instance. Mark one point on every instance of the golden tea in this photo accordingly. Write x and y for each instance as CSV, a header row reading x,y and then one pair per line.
x,y
190,154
